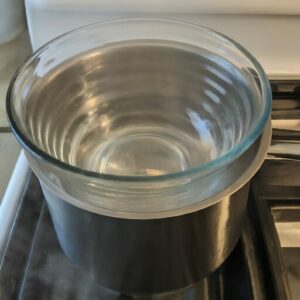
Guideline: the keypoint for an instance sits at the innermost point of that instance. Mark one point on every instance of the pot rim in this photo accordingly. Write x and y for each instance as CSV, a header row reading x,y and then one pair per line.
x,y
248,173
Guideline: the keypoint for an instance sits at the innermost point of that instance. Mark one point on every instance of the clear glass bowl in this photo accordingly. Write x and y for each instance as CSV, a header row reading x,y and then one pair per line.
x,y
138,115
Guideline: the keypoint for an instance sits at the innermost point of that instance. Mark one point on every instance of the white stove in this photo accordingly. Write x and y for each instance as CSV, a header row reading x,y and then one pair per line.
x,y
268,29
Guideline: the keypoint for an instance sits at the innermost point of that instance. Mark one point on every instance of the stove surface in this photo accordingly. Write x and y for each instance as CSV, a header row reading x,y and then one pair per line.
x,y
34,266
264,265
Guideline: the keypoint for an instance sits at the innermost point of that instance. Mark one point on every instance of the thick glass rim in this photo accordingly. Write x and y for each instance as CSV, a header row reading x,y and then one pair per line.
x,y
220,161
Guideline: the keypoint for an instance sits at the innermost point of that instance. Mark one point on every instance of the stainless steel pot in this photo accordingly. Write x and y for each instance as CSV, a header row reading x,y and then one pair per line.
x,y
147,256
143,134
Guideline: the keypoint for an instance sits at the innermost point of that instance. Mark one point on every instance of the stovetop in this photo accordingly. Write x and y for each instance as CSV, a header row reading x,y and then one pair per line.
x,y
264,265
34,266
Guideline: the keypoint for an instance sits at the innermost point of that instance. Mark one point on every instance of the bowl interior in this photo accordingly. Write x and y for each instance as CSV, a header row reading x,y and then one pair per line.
x,y
140,107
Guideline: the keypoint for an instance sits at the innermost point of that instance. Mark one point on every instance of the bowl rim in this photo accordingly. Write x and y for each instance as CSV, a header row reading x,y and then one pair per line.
x,y
218,162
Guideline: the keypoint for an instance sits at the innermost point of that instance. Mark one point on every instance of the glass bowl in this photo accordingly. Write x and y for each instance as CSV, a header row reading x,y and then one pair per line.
x,y
138,115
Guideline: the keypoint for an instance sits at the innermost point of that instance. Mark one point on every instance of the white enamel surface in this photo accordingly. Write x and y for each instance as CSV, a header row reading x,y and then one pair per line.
x,y
12,199
266,28
173,6
289,234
